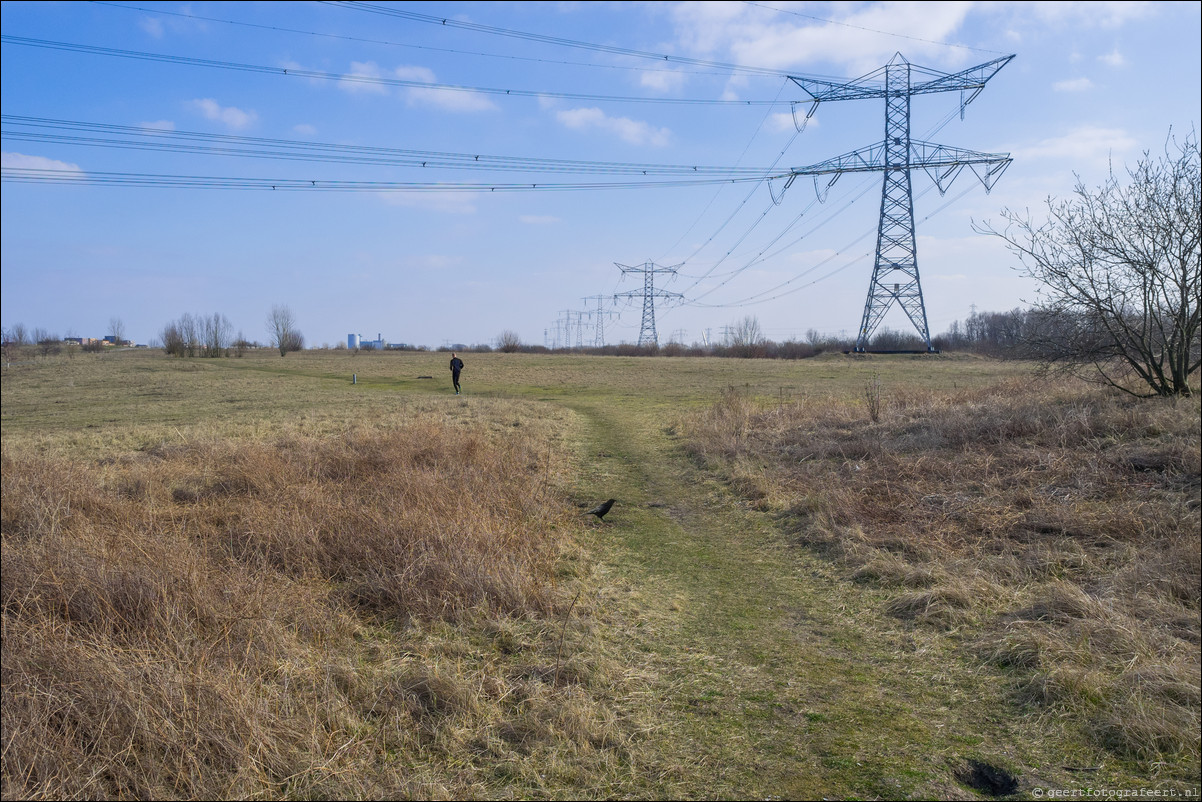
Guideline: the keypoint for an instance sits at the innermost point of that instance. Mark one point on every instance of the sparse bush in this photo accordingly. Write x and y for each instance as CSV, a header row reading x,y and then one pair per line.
x,y
887,339
509,342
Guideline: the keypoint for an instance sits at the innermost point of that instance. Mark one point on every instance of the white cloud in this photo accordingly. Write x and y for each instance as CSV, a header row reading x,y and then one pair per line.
x,y
446,99
1073,85
1113,14
791,121
780,121
21,161
1087,145
151,26
538,219
632,131
662,80
361,79
183,22
304,129
861,41
364,75
1113,59
734,87
229,116
444,202
438,261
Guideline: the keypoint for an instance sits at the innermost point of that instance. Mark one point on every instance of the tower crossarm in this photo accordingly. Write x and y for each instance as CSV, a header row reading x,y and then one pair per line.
x,y
872,85
869,159
663,294
974,78
822,91
942,162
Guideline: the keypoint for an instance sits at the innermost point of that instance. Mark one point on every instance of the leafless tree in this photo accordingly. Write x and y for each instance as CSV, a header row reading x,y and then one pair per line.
x,y
744,338
746,332
173,339
1119,276
18,334
47,343
194,335
241,344
13,339
281,328
189,328
218,333
117,330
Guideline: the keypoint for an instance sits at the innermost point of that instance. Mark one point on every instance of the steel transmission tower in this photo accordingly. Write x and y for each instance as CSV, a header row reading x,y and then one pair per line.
x,y
573,319
647,334
601,313
895,271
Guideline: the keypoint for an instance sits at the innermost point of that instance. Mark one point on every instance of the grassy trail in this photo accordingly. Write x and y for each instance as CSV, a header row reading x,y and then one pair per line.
x,y
773,676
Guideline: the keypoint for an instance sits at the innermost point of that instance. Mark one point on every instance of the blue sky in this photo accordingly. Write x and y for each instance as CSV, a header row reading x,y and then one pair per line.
x,y
1091,85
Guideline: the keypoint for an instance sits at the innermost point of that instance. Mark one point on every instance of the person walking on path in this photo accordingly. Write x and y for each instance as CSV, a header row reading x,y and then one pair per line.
x,y
456,366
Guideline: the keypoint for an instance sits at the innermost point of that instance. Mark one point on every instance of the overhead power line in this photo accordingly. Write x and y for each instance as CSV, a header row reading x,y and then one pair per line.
x,y
141,138
447,22
776,293
30,175
297,72
383,42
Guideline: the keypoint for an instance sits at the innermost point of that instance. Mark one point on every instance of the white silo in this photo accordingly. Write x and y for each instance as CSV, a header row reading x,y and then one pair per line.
x,y
352,342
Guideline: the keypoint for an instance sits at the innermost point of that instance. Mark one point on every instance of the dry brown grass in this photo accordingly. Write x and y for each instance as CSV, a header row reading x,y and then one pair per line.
x,y
375,614
1056,530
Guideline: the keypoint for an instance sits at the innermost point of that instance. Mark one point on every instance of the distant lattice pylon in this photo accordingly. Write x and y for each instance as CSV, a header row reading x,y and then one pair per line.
x,y
647,335
601,313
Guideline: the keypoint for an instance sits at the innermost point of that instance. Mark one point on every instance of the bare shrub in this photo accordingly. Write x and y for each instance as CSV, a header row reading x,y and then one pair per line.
x,y
509,342
872,394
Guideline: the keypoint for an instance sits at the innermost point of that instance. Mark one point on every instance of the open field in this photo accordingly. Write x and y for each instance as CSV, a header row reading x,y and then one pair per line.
x,y
868,577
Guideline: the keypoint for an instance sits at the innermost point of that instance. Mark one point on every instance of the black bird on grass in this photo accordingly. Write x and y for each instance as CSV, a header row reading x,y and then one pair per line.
x,y
601,509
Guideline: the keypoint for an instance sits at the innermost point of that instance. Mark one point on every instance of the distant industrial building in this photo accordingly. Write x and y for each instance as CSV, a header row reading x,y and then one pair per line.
x,y
356,342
